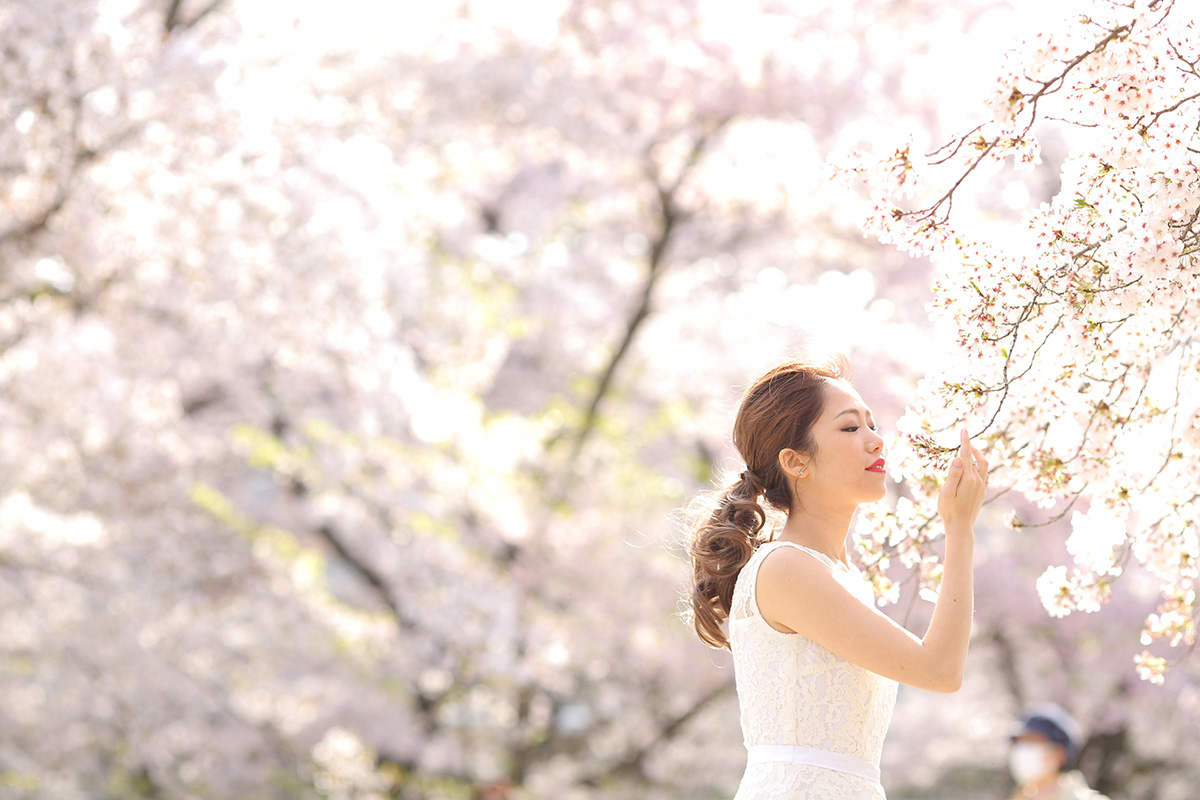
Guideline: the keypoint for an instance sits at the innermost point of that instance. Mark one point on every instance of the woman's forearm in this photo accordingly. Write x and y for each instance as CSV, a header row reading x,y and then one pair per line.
x,y
949,630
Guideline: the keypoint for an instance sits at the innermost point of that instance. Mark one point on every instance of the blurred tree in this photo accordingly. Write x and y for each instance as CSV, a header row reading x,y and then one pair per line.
x,y
351,358
347,376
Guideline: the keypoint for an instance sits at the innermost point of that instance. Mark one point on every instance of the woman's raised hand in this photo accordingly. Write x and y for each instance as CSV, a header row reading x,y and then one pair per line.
x,y
966,484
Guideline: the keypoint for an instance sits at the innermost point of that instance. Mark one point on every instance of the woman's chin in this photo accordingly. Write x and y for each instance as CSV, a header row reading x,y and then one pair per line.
x,y
877,495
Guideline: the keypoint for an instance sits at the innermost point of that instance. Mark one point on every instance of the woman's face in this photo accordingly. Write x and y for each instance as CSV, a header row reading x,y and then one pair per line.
x,y
847,464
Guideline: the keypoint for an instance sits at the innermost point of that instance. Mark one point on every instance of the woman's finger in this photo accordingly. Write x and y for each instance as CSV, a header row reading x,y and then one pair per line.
x,y
965,449
981,463
954,476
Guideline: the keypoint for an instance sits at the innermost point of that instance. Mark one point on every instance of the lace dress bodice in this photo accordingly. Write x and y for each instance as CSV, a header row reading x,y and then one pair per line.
x,y
792,691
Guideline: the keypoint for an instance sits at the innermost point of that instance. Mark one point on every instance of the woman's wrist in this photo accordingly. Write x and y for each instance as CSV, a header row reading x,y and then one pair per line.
x,y
960,530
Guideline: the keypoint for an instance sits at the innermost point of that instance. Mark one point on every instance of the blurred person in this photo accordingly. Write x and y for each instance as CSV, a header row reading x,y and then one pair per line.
x,y
1044,752
816,664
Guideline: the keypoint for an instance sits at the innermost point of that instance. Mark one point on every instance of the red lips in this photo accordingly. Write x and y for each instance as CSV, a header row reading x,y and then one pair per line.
x,y
876,467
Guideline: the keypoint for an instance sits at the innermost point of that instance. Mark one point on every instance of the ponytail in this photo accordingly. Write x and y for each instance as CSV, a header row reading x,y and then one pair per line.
x,y
721,544
777,412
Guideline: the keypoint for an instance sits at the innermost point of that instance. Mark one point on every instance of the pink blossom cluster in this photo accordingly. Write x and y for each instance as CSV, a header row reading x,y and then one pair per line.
x,y
1075,335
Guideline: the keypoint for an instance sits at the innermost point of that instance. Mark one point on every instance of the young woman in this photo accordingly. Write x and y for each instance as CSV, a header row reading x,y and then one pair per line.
x,y
815,663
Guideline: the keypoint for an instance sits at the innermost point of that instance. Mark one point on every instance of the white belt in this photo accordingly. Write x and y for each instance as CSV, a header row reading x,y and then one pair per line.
x,y
811,756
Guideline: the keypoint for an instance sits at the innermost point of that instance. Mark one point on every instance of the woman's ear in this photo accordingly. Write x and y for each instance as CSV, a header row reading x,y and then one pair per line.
x,y
793,463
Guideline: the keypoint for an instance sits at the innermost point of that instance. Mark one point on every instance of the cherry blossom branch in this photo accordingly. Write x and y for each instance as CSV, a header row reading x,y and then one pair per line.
x,y
1017,522
929,213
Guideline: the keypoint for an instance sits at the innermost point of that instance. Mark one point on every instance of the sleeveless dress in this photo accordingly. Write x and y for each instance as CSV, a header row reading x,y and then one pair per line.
x,y
804,706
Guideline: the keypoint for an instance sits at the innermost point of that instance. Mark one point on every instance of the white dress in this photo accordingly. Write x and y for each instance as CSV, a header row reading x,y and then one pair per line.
x,y
803,705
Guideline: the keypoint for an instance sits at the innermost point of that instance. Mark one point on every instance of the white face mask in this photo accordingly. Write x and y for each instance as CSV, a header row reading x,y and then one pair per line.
x,y
1030,762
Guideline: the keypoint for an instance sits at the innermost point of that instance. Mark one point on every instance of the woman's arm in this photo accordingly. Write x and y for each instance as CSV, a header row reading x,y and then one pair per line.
x,y
796,593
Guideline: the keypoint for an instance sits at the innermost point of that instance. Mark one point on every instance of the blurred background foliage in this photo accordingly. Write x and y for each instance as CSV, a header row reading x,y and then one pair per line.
x,y
356,358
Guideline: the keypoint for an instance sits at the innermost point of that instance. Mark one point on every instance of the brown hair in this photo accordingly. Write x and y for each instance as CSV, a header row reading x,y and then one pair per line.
x,y
776,412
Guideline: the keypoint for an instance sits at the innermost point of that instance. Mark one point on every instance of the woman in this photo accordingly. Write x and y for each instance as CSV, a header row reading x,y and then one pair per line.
x,y
815,663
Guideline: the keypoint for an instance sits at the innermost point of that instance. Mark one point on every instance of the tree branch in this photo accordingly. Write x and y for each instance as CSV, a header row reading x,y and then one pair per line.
x,y
669,216
174,16
633,765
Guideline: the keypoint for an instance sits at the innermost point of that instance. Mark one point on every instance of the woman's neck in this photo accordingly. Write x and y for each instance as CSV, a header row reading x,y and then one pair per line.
x,y
820,529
